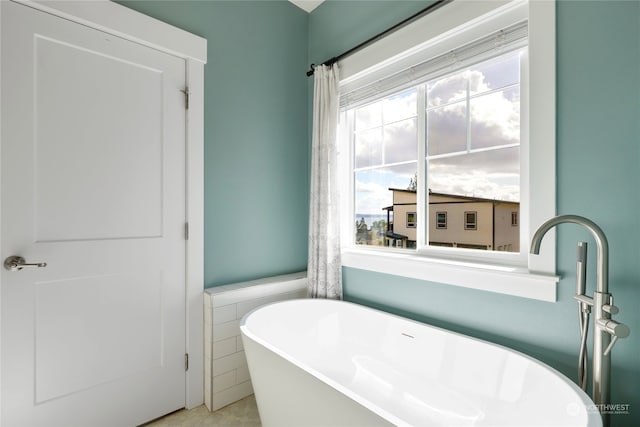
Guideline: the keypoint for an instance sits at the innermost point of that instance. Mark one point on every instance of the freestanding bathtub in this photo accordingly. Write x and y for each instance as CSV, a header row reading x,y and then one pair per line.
x,y
332,363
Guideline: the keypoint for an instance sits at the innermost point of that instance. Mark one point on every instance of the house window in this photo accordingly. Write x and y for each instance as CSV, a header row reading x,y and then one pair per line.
x,y
441,220
470,146
434,127
471,220
411,219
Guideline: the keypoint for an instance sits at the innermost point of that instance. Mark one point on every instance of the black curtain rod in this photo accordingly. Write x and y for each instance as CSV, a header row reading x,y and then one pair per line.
x,y
420,14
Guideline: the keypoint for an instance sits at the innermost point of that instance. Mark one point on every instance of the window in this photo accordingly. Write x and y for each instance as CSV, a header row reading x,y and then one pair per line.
x,y
435,129
441,220
471,220
471,144
411,219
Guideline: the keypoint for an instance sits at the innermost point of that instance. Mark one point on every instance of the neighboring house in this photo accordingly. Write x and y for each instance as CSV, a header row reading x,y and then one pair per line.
x,y
455,221
401,219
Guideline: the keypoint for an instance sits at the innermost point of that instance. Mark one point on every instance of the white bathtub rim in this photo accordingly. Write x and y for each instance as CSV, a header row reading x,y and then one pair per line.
x,y
593,419
319,375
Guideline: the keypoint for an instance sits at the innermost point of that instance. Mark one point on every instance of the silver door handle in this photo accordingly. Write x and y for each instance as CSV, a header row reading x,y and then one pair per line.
x,y
17,263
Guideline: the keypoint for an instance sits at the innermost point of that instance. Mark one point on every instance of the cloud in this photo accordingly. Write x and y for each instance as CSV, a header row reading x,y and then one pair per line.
x,y
493,117
490,174
372,187
477,185
369,187
494,121
401,106
396,141
400,141
371,198
368,148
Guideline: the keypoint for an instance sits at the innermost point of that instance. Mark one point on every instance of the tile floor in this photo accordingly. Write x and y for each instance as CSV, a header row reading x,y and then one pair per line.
x,y
243,413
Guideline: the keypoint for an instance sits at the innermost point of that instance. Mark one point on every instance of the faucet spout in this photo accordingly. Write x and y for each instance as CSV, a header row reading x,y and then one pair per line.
x,y
602,282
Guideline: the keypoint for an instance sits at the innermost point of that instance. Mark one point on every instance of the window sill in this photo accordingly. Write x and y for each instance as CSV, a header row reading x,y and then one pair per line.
x,y
509,280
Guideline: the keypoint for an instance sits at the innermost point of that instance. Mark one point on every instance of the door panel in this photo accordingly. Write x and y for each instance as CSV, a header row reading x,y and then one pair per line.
x,y
93,184
119,165
129,340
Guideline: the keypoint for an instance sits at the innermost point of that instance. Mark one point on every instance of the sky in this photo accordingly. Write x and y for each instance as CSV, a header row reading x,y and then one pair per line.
x,y
481,159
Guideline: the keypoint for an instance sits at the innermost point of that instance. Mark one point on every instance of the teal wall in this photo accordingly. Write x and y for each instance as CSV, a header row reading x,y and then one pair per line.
x,y
598,176
256,141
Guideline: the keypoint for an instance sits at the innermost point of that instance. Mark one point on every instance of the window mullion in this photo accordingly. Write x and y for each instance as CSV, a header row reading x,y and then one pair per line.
x,y
422,211
468,116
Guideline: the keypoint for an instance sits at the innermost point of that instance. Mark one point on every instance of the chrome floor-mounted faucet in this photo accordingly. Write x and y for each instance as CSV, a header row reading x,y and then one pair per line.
x,y
602,302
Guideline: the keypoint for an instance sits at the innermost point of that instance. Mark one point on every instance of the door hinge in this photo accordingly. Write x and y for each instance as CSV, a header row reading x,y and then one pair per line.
x,y
186,231
186,97
186,361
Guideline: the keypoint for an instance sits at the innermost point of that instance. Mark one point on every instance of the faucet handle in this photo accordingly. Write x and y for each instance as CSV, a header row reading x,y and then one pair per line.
x,y
617,330
609,307
610,346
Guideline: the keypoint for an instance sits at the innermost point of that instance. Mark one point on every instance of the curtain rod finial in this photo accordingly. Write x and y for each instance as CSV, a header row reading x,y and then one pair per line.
x,y
312,69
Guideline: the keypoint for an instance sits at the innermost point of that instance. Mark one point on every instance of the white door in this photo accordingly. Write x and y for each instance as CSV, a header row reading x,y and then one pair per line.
x,y
93,185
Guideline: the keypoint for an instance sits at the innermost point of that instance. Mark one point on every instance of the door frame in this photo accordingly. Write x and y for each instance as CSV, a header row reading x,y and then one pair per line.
x,y
125,23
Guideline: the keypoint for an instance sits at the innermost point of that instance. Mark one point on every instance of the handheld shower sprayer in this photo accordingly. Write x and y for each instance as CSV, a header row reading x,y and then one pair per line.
x,y
584,310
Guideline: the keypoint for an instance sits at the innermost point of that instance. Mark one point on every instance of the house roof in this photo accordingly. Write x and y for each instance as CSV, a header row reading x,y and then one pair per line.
x,y
455,196
392,235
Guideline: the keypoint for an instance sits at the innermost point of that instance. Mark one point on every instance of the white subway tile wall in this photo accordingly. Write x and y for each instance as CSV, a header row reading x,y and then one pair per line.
x,y
226,374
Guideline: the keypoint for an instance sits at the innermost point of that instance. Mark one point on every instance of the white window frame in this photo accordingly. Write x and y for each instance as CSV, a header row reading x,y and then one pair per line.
x,y
529,276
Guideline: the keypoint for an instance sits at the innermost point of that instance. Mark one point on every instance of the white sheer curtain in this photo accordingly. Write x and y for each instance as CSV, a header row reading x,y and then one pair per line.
x,y
324,269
